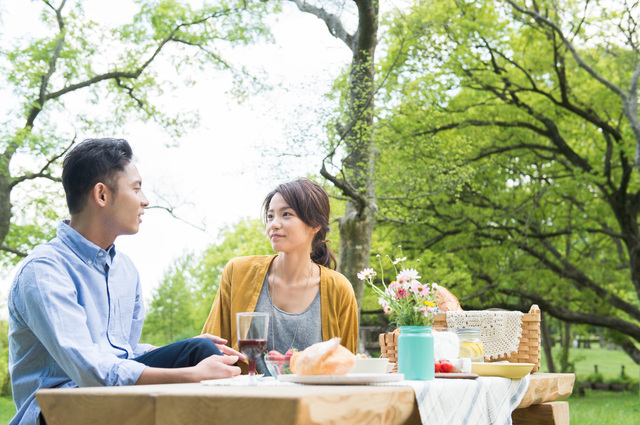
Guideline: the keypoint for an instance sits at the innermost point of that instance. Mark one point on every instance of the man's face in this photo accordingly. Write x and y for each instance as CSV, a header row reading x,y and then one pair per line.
x,y
128,203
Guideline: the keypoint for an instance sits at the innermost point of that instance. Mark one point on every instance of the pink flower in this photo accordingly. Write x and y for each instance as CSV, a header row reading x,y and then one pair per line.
x,y
401,294
403,278
395,286
427,311
387,309
420,289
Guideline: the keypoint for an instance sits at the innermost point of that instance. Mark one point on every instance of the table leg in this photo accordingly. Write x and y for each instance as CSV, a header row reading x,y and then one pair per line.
x,y
550,413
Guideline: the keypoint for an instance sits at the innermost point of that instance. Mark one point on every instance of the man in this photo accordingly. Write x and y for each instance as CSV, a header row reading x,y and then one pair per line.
x,y
76,308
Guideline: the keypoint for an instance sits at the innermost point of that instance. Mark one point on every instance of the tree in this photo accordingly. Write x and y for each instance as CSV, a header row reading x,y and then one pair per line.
x,y
182,302
52,77
523,117
353,137
170,313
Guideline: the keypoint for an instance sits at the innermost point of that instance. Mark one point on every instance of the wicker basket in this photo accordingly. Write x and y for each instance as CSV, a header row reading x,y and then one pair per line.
x,y
528,350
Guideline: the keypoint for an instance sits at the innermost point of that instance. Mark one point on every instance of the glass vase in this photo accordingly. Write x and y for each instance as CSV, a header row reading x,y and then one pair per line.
x,y
415,353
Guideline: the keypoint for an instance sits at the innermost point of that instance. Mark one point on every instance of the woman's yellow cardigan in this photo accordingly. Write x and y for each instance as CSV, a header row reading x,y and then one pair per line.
x,y
240,287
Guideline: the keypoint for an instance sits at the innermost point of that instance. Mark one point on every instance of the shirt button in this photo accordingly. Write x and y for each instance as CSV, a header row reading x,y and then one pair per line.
x,y
89,261
100,254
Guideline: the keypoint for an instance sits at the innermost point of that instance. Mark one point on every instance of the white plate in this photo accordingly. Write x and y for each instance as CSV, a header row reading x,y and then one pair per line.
x,y
348,379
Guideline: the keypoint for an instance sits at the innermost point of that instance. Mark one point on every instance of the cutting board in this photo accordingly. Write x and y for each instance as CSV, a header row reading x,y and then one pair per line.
x,y
457,375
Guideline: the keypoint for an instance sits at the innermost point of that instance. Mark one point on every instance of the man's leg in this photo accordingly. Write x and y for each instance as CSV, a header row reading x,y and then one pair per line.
x,y
185,353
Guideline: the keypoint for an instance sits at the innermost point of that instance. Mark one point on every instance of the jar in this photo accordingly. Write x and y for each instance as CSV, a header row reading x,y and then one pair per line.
x,y
471,346
446,344
415,353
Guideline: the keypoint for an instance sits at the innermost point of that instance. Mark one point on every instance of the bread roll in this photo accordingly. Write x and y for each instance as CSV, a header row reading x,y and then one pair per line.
x,y
323,358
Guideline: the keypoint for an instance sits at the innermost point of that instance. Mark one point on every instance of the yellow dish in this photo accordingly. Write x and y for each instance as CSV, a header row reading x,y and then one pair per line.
x,y
505,370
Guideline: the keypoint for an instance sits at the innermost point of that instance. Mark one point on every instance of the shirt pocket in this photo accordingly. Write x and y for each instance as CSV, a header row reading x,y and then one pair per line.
x,y
123,316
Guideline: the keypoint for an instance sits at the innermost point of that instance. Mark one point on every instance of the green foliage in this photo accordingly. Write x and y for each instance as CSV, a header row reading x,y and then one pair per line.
x,y
63,74
7,409
245,238
169,317
5,380
595,378
504,159
181,304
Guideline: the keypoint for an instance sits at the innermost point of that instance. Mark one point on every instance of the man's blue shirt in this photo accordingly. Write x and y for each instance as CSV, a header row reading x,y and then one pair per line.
x,y
75,317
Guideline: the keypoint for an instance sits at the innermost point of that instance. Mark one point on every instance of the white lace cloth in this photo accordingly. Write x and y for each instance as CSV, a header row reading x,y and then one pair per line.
x,y
500,330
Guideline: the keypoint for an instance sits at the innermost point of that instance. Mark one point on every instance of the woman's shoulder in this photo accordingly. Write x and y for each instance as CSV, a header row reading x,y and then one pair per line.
x,y
336,278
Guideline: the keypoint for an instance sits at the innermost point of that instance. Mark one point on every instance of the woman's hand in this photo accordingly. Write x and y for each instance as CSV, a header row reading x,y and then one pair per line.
x,y
224,349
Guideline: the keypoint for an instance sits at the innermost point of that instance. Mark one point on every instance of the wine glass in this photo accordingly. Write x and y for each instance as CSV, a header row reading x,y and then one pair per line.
x,y
252,338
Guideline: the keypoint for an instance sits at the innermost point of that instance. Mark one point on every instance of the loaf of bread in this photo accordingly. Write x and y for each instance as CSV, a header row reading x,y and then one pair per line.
x,y
323,358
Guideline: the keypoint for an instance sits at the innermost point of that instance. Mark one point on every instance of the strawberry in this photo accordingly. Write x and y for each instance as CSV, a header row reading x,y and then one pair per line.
x,y
446,366
289,353
275,356
438,366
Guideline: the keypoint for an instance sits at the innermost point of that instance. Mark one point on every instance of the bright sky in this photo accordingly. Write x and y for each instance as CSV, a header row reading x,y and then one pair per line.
x,y
222,170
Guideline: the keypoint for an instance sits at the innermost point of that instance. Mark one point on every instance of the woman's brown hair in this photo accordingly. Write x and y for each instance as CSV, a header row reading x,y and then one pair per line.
x,y
311,204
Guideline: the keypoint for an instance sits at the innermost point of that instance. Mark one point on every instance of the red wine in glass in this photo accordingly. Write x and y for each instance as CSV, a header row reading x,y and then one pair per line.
x,y
252,348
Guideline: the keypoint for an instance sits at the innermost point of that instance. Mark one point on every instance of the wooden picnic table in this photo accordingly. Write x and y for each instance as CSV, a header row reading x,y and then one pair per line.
x,y
197,404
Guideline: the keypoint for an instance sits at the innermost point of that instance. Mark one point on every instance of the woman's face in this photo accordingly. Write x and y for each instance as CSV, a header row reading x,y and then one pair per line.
x,y
286,231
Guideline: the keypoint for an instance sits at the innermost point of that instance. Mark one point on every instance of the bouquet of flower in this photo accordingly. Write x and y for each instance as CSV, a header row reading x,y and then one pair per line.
x,y
406,300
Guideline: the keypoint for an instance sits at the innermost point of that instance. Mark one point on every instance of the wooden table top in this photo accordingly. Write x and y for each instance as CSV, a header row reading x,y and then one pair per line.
x,y
197,404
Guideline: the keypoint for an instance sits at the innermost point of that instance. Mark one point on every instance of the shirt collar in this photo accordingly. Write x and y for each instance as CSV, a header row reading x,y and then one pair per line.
x,y
90,253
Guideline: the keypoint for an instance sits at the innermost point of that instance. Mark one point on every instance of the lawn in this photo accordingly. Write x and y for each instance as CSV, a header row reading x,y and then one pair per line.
x,y
604,408
609,363
7,410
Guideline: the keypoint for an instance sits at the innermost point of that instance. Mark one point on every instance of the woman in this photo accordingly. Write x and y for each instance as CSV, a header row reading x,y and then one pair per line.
x,y
307,300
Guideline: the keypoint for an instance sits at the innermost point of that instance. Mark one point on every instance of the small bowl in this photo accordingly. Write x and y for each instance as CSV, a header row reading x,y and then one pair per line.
x,y
277,366
371,365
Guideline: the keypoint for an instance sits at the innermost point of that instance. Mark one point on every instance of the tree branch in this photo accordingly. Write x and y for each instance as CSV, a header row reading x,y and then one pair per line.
x,y
42,172
12,250
335,26
571,316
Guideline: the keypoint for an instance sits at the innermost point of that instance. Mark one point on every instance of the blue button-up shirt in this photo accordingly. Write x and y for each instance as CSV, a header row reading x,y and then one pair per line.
x,y
75,317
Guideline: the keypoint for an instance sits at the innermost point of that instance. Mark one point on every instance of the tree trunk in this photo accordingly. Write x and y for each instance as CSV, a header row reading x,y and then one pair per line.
x,y
5,200
356,180
355,244
547,343
565,365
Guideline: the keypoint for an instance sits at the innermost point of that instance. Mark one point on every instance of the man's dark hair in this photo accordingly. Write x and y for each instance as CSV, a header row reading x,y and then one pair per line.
x,y
91,162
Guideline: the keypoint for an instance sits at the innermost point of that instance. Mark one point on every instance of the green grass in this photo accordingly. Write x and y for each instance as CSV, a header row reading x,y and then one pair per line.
x,y
7,410
609,363
604,408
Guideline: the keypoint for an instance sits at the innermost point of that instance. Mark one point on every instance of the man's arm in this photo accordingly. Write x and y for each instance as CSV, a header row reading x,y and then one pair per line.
x,y
214,367
48,303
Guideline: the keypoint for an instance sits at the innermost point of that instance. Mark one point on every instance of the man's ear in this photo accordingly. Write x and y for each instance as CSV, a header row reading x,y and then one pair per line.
x,y
100,194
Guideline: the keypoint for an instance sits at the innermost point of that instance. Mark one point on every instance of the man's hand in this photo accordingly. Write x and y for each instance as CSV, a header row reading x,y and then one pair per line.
x,y
216,367
220,343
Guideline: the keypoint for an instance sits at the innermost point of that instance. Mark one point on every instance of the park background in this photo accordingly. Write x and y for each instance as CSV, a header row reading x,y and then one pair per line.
x,y
495,141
